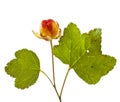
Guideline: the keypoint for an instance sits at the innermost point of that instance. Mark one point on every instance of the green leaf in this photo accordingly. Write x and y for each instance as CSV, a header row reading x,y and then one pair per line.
x,y
71,45
91,67
93,41
24,68
82,52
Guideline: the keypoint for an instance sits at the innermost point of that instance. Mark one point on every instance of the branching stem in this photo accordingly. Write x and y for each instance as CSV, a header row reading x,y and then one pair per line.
x,y
53,72
51,83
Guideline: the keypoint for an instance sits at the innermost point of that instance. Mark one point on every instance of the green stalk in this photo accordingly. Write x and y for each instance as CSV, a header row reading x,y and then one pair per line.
x,y
53,69
51,83
64,82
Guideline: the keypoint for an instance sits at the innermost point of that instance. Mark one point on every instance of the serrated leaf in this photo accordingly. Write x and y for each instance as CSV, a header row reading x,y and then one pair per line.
x,y
71,45
93,41
91,67
82,52
24,68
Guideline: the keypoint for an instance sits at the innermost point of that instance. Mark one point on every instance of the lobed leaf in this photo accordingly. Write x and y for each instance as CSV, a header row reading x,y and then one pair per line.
x,y
93,41
92,67
82,52
71,45
24,68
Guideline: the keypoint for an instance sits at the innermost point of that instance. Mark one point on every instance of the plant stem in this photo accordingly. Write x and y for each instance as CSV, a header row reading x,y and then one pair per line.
x,y
51,83
64,83
53,70
47,77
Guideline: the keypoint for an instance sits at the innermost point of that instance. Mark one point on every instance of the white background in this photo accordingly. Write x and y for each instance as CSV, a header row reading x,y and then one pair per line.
x,y
19,17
